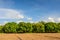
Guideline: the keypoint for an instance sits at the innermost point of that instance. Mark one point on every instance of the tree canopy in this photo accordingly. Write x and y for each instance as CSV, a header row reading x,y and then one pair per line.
x,y
27,27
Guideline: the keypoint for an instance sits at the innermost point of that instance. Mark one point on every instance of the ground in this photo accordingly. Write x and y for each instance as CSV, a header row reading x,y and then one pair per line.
x,y
31,36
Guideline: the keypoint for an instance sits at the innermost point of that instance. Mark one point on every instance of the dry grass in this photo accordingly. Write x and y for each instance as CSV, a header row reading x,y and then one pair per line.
x,y
31,36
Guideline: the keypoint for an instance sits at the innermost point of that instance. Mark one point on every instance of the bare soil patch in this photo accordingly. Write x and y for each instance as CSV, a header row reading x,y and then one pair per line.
x,y
31,36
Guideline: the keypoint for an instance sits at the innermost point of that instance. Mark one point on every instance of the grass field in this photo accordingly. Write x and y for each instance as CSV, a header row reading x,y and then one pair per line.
x,y
31,36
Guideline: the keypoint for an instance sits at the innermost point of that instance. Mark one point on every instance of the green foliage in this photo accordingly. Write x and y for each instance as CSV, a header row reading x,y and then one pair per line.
x,y
38,27
1,27
28,27
10,27
51,27
58,27
23,27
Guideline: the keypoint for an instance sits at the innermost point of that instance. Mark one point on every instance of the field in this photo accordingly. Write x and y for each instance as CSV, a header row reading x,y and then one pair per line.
x,y
31,36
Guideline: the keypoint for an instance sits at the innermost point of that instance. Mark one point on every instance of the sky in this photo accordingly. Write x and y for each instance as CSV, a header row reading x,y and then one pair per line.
x,y
29,11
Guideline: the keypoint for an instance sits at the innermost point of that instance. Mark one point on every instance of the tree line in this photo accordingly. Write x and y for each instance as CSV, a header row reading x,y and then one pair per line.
x,y
23,27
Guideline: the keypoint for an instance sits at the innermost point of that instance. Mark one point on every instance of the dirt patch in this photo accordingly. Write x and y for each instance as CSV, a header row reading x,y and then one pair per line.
x,y
31,36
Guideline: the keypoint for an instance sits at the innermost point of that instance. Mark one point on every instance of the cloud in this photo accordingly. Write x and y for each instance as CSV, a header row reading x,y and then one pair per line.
x,y
31,21
51,19
10,14
29,18
58,19
19,21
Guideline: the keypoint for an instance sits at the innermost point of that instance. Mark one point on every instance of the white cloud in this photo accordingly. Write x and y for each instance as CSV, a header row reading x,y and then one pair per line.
x,y
0,24
58,19
19,21
10,14
51,19
29,19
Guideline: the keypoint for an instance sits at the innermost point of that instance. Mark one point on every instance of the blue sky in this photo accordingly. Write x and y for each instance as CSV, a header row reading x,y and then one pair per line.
x,y
29,10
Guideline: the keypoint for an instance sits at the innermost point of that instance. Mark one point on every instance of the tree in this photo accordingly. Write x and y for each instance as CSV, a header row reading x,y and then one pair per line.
x,y
51,27
38,28
58,27
24,27
29,27
21,27
1,27
43,22
10,27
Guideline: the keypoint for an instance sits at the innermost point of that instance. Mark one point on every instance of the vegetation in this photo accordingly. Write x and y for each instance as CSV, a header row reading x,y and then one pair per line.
x,y
23,27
